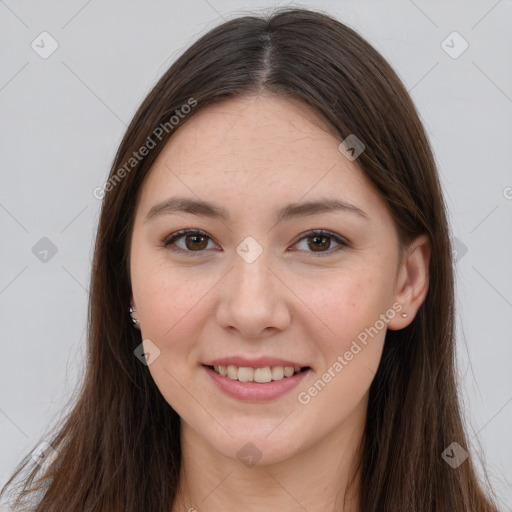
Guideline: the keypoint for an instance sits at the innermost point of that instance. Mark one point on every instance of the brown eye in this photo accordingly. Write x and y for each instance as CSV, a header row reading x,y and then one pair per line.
x,y
194,241
320,242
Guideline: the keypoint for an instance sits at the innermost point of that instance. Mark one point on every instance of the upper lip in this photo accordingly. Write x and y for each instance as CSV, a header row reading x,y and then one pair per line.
x,y
259,362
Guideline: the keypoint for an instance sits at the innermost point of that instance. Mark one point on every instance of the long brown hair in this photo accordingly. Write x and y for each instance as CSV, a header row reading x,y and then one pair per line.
x,y
119,446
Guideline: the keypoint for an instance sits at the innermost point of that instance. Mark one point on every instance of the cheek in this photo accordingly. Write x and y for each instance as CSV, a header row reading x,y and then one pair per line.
x,y
350,336
171,304
172,313
345,302
351,343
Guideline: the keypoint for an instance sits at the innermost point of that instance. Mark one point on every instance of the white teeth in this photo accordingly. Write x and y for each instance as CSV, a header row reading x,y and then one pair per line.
x,y
245,374
232,372
262,375
289,371
277,372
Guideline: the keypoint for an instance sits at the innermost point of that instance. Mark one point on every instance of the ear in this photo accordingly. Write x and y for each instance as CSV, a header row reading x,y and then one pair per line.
x,y
134,314
412,282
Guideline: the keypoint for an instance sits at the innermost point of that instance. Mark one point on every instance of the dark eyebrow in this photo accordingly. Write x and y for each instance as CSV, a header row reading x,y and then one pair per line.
x,y
205,209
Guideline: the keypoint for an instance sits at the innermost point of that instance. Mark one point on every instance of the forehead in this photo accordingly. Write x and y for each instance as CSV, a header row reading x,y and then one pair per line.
x,y
253,129
263,149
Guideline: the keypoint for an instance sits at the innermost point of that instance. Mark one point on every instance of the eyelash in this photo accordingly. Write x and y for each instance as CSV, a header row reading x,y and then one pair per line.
x,y
171,239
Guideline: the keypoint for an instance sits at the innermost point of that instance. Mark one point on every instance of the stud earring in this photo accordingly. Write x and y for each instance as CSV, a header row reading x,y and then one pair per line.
x,y
134,320
404,315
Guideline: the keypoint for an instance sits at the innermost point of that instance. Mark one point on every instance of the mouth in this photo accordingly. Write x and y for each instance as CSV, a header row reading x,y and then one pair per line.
x,y
261,375
258,383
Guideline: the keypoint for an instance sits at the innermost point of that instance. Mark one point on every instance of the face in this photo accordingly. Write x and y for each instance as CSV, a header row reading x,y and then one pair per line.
x,y
251,284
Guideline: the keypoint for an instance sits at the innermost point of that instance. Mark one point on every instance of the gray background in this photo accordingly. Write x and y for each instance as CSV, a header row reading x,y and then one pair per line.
x,y
63,117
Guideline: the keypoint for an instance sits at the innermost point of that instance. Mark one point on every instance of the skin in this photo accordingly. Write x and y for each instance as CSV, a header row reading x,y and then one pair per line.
x,y
252,155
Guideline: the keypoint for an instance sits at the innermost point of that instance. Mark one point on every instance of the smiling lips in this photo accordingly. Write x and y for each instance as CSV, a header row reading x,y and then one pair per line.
x,y
268,379
261,370
261,375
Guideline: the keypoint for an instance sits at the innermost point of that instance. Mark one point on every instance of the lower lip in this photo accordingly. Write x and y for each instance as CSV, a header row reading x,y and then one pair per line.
x,y
256,391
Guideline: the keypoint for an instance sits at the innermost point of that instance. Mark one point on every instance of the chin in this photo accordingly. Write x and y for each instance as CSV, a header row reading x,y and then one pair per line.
x,y
257,447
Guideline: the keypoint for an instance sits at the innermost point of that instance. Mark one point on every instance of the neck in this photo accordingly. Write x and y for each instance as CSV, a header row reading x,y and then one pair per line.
x,y
322,478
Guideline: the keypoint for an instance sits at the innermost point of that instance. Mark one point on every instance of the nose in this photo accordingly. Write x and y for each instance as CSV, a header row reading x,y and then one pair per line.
x,y
253,300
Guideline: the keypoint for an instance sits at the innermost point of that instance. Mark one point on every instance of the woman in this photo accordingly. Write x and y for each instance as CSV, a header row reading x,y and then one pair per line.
x,y
274,225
